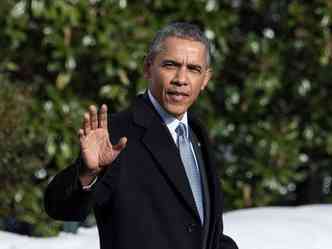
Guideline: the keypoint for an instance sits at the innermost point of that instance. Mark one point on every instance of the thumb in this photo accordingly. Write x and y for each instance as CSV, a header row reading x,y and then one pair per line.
x,y
121,144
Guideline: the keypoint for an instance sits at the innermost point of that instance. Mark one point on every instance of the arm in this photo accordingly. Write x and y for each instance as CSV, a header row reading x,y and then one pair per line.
x,y
65,198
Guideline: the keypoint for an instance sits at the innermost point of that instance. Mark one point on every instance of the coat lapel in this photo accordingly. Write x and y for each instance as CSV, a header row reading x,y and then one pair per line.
x,y
213,180
205,185
210,170
159,142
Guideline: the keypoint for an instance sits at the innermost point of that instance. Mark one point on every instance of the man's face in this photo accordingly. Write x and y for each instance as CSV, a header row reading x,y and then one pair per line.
x,y
177,74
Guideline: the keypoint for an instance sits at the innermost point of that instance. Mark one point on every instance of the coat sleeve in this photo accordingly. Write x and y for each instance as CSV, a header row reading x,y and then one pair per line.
x,y
64,197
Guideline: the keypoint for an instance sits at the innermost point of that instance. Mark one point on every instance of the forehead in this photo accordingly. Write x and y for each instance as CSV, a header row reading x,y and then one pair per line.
x,y
183,50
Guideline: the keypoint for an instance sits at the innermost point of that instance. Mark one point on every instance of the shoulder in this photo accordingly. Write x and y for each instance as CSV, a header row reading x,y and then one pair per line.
x,y
123,123
198,128
119,123
120,118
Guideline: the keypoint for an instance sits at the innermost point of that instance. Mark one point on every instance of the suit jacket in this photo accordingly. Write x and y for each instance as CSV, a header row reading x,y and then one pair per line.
x,y
143,200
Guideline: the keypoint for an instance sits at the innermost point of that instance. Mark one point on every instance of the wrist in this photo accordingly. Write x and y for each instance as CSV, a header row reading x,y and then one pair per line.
x,y
85,172
86,175
86,180
88,187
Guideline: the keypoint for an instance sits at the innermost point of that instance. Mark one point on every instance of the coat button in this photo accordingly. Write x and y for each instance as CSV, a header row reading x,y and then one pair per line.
x,y
191,227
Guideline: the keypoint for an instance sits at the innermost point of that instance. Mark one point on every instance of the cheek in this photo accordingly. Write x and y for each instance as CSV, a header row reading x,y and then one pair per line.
x,y
156,83
197,88
161,80
195,95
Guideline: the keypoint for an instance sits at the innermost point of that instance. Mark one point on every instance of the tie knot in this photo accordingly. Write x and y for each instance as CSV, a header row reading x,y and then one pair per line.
x,y
181,130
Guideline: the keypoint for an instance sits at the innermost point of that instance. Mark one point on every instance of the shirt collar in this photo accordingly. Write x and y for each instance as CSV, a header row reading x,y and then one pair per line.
x,y
171,122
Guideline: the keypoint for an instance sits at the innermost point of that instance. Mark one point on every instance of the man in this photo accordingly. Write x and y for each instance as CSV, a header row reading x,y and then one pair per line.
x,y
153,186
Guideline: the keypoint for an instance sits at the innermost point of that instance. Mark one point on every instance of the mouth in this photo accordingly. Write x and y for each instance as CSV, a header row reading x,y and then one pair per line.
x,y
177,93
177,96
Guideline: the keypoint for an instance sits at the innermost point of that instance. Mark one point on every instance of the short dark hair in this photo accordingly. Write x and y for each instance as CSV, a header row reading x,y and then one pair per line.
x,y
183,30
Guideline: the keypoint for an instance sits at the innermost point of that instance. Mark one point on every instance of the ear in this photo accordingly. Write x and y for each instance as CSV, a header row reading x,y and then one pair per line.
x,y
146,68
207,77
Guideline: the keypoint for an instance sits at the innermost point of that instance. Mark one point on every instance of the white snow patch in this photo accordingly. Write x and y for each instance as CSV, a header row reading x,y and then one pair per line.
x,y
305,227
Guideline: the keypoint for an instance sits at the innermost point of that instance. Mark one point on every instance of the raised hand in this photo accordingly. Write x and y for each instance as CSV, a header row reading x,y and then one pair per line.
x,y
96,148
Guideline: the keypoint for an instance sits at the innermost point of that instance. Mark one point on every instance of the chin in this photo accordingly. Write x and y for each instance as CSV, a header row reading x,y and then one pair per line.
x,y
175,111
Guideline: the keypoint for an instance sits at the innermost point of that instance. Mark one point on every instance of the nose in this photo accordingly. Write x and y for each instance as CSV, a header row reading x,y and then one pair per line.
x,y
180,77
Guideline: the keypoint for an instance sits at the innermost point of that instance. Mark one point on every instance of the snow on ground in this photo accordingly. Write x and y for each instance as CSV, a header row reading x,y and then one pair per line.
x,y
306,227
84,239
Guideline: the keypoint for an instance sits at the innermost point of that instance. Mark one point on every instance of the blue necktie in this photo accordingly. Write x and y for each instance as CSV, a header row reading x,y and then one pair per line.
x,y
190,167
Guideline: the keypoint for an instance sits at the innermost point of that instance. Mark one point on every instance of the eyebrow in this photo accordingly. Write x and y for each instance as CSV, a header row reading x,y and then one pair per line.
x,y
190,65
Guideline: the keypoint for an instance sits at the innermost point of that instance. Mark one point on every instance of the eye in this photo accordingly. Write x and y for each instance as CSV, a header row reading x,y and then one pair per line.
x,y
195,69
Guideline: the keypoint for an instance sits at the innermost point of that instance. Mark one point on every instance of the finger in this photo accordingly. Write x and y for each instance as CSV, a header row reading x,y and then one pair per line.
x,y
86,124
121,144
81,137
81,134
93,117
102,119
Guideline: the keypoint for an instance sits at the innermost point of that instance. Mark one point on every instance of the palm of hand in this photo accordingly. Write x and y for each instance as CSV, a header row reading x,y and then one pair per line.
x,y
96,148
97,151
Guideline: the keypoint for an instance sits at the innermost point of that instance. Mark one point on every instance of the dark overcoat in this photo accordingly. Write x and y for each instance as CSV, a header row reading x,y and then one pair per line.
x,y
143,200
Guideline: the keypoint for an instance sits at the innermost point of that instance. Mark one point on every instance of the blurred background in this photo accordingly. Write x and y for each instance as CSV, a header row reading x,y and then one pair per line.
x,y
268,108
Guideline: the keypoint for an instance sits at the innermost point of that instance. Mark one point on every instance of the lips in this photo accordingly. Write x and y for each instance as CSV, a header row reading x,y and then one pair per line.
x,y
176,96
177,93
